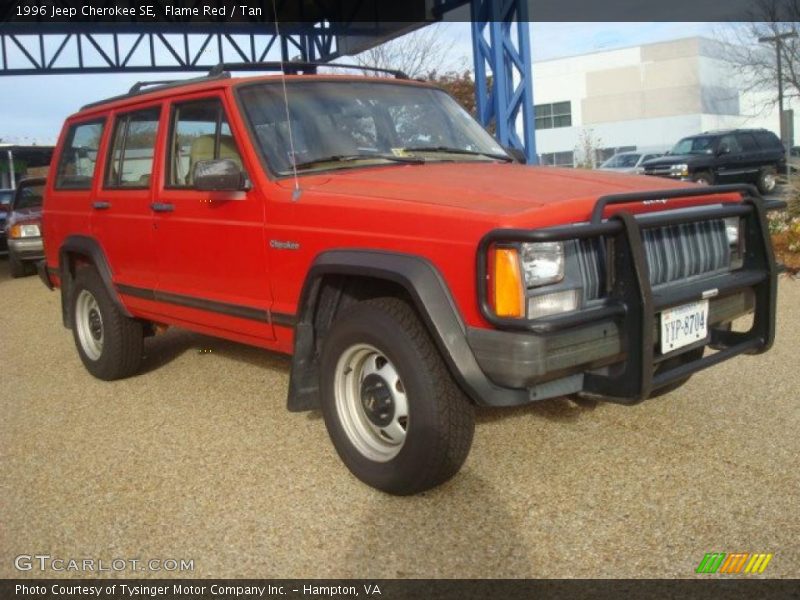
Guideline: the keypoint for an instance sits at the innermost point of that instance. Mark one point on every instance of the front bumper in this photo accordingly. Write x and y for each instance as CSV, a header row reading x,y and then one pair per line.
x,y
27,248
527,360
612,349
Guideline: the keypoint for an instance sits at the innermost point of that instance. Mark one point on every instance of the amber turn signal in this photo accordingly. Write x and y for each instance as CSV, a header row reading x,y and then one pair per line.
x,y
508,292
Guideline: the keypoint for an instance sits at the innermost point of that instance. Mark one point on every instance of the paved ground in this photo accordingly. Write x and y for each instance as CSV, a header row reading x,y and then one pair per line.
x,y
197,458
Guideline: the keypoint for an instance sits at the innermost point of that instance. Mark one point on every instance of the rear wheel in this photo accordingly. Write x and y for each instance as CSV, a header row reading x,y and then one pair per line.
x,y
395,416
767,181
109,343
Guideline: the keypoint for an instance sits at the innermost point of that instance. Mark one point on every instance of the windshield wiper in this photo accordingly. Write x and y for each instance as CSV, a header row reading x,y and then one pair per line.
x,y
416,160
449,150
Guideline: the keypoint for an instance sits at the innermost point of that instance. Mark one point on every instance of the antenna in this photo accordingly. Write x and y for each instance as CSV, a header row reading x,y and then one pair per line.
x,y
297,191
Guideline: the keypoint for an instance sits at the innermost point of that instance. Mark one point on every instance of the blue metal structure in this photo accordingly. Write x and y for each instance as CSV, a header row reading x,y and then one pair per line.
x,y
83,48
501,45
500,39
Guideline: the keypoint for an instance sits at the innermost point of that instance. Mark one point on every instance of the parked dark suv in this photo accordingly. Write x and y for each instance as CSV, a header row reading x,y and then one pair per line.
x,y
733,156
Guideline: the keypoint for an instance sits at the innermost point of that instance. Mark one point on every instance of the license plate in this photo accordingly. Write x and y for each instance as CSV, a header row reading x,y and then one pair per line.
x,y
684,325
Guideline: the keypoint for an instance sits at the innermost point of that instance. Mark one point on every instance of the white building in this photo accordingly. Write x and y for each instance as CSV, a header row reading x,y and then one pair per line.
x,y
644,97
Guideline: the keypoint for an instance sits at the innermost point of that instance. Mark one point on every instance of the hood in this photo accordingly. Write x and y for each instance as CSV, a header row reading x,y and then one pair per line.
x,y
478,187
25,215
620,169
674,159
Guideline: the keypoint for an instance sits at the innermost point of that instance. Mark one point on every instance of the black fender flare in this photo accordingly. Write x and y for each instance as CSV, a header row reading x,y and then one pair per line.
x,y
433,301
90,248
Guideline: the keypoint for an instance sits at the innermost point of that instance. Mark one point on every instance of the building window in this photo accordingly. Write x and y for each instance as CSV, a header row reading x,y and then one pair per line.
x,y
557,159
550,116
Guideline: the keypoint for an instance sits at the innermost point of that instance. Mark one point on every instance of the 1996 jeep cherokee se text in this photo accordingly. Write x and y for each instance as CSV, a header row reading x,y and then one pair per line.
x,y
374,231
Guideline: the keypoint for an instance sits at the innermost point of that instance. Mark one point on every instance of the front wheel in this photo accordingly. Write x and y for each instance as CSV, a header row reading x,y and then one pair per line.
x,y
109,343
395,416
703,178
16,267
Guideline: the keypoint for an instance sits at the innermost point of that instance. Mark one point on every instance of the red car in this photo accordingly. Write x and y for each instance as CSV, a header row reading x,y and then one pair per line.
x,y
372,229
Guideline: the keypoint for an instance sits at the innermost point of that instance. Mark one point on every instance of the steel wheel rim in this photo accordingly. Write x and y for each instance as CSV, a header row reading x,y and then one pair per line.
x,y
374,423
89,323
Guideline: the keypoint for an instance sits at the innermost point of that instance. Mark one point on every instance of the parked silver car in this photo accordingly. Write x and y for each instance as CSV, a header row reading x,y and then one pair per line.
x,y
628,162
23,227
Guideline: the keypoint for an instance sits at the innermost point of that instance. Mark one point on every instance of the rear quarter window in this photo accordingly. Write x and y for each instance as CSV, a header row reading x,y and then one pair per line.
x,y
768,140
78,159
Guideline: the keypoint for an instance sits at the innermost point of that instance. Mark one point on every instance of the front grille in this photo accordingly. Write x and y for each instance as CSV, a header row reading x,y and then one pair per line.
x,y
683,251
673,253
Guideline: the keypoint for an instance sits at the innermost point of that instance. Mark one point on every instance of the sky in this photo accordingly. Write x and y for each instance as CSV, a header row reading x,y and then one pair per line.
x,y
33,108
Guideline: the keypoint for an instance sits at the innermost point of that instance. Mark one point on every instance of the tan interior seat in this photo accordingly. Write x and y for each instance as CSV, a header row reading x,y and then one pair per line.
x,y
203,149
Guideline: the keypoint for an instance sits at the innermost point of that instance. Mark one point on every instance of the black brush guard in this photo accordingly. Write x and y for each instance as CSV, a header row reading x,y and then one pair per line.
x,y
630,298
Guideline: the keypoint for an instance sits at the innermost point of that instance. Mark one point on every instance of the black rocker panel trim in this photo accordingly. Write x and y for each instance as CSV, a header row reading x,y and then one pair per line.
x,y
223,308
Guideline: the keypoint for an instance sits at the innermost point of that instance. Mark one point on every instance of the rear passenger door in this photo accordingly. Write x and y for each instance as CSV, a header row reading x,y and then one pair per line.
x,y
751,158
729,160
121,217
211,251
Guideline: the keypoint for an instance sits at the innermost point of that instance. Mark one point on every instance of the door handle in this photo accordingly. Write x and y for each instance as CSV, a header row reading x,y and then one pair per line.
x,y
101,205
162,206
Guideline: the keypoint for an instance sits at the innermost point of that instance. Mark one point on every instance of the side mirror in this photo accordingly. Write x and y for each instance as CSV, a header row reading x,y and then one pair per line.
x,y
222,175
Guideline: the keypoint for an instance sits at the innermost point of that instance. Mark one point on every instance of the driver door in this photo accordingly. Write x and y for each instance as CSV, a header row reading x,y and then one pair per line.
x,y
211,251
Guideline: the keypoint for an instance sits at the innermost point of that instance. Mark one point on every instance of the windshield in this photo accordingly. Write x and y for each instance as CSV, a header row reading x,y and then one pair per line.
x,y
621,161
29,197
695,145
343,124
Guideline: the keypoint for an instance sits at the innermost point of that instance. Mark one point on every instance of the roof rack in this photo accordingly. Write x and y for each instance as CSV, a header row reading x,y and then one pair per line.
x,y
293,67
138,88
222,71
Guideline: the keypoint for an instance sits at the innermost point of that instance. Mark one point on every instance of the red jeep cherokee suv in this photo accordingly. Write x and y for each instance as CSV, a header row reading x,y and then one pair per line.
x,y
374,231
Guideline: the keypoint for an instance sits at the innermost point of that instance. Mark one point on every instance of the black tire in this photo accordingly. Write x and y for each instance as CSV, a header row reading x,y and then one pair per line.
x,y
704,177
17,267
440,419
121,338
767,181
672,363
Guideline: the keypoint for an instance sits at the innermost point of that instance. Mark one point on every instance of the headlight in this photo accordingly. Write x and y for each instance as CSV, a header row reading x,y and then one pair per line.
x,y
733,231
680,170
24,231
543,263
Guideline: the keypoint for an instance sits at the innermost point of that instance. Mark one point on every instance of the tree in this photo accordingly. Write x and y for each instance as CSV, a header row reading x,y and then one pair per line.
x,y
756,62
460,85
586,150
417,54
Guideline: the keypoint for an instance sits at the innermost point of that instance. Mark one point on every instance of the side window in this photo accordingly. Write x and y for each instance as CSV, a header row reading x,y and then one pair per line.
x,y
200,131
768,140
130,162
747,142
728,144
79,156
